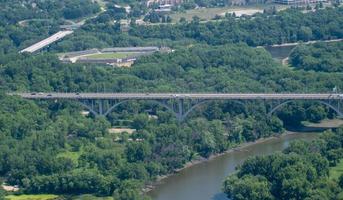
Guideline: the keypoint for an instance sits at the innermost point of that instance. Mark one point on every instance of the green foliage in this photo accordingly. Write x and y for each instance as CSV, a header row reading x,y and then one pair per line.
x,y
12,11
48,147
287,26
300,172
2,194
326,57
128,191
248,187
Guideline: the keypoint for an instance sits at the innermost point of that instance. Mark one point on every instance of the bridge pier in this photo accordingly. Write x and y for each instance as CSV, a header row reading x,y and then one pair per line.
x,y
181,109
177,106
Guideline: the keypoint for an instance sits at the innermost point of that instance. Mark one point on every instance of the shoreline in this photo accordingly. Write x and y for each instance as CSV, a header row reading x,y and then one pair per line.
x,y
325,124
308,42
240,147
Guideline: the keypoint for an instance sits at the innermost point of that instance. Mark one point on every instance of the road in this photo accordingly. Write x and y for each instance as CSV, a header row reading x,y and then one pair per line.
x,y
39,45
206,96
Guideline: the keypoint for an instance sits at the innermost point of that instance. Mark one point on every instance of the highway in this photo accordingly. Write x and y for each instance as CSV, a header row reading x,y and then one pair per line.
x,y
39,45
201,96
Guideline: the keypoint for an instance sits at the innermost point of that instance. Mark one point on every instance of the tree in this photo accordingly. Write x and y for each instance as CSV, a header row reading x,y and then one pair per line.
x,y
128,191
153,17
169,19
296,188
138,151
2,194
140,121
182,20
247,188
305,33
300,172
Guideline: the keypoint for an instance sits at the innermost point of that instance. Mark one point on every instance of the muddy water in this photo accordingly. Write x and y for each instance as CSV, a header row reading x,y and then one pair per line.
x,y
204,181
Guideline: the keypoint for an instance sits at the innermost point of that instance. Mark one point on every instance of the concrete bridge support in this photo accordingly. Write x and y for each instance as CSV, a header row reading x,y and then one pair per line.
x,y
180,108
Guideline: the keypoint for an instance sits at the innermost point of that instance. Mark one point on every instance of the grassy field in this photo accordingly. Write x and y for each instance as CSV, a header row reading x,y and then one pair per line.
x,y
74,156
110,55
210,13
32,197
337,171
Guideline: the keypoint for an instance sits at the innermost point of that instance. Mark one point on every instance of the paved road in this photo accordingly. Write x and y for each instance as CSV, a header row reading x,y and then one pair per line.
x,y
39,45
208,96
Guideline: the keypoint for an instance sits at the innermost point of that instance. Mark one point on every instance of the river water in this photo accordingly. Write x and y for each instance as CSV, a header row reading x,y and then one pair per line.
x,y
204,181
280,52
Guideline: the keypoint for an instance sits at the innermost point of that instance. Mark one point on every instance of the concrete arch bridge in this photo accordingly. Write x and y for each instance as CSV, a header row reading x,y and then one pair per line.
x,y
182,104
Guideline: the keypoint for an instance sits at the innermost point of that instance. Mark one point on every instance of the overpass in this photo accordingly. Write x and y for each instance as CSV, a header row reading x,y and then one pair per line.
x,y
181,104
39,45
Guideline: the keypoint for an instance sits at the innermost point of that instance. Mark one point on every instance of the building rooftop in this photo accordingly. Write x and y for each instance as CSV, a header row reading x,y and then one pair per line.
x,y
130,49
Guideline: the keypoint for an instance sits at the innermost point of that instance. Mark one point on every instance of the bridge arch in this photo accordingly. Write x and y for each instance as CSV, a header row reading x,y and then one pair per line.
x,y
178,113
125,101
195,106
336,109
109,110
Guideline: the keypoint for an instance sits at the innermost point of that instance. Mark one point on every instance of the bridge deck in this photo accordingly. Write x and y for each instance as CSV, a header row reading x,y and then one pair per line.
x,y
207,96
39,45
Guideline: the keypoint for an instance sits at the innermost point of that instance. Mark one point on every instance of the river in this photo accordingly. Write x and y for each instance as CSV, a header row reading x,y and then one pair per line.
x,y
204,181
280,52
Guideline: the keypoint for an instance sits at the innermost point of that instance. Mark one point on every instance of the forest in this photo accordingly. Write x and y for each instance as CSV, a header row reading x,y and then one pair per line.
x,y
49,147
301,171
291,25
320,57
13,11
52,132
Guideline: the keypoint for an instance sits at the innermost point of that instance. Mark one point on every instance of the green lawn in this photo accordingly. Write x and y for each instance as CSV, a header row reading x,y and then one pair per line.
x,y
74,156
337,171
32,197
110,55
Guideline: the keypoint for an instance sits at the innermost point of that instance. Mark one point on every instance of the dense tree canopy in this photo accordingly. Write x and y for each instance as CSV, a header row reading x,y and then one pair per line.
x,y
300,172
327,57
13,11
49,147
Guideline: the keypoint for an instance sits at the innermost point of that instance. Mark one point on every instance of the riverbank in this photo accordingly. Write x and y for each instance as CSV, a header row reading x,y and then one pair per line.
x,y
189,164
281,52
243,149
308,42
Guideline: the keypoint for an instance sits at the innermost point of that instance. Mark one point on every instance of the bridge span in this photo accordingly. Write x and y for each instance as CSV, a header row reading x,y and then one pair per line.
x,y
182,104
207,96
